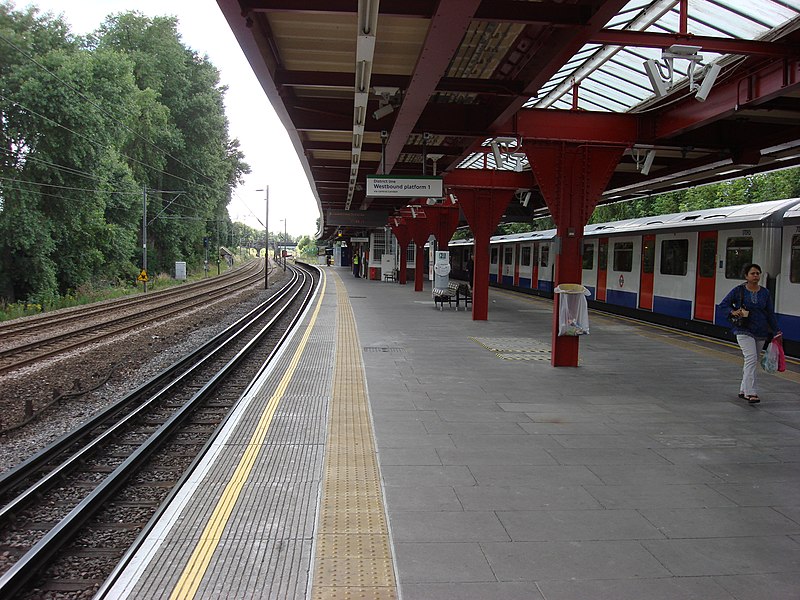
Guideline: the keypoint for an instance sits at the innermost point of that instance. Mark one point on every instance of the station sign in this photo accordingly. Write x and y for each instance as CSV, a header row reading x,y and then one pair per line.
x,y
399,186
356,218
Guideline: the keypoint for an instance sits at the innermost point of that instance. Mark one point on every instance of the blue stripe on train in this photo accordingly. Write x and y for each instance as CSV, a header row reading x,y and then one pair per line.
x,y
508,280
790,326
621,298
524,282
681,309
545,286
492,278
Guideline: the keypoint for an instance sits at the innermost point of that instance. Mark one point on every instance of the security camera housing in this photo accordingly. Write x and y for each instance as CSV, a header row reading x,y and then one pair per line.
x,y
708,82
648,162
660,86
383,111
498,157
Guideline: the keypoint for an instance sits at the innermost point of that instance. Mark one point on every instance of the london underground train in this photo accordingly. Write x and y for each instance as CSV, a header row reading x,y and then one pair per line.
x,y
670,269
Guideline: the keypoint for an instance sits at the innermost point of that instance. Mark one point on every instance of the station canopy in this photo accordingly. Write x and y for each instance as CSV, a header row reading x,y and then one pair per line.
x,y
424,87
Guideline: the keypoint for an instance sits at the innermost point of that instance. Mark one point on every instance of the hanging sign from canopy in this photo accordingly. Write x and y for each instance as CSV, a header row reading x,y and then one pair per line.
x,y
400,186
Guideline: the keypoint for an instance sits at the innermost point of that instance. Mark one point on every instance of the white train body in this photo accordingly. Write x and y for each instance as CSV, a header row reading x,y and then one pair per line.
x,y
673,268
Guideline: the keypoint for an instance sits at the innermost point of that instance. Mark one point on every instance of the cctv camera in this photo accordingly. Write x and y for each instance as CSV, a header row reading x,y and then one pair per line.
x,y
708,82
383,111
384,134
660,87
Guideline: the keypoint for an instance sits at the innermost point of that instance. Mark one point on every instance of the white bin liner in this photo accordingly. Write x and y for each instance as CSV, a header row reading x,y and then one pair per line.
x,y
573,312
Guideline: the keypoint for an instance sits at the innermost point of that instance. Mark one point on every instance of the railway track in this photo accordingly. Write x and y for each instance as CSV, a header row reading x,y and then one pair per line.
x,y
31,340
71,510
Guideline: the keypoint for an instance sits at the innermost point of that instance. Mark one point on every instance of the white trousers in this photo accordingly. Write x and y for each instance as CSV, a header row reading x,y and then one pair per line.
x,y
750,350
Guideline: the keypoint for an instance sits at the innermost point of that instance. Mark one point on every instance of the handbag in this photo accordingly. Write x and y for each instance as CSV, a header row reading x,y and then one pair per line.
x,y
738,320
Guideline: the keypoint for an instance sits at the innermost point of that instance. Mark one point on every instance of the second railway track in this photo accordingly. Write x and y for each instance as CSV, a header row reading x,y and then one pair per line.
x,y
30,341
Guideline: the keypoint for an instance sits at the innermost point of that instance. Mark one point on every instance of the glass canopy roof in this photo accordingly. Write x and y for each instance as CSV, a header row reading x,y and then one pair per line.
x,y
613,78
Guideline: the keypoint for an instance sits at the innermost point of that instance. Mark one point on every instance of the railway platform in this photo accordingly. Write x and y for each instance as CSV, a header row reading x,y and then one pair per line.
x,y
400,451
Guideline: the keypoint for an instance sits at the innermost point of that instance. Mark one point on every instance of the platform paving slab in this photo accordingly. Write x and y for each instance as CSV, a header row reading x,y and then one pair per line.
x,y
604,478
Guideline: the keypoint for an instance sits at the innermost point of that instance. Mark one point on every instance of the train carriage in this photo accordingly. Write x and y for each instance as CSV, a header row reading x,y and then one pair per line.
x,y
787,285
672,269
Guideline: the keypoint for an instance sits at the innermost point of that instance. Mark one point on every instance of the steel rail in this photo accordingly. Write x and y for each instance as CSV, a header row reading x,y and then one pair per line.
x,y
38,556
114,326
17,326
27,468
145,532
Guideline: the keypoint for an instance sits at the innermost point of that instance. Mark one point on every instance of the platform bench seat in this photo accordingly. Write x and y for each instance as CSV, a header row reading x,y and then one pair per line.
x,y
389,276
449,295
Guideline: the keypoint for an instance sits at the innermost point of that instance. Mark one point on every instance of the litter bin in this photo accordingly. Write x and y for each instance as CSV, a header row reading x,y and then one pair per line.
x,y
573,312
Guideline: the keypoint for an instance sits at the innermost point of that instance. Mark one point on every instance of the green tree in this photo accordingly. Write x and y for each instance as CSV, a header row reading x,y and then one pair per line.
x,y
88,124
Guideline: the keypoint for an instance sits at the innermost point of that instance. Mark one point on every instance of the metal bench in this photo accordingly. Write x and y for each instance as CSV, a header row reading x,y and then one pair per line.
x,y
464,294
449,295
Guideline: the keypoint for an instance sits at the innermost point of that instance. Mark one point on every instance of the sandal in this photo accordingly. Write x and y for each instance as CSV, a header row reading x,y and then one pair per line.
x,y
741,395
753,399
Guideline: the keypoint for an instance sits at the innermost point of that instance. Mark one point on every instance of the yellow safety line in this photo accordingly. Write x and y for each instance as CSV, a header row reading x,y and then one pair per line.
x,y
195,569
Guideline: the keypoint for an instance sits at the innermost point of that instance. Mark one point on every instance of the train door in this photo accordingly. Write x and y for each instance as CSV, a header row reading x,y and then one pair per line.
x,y
602,268
705,283
648,263
501,264
535,267
516,264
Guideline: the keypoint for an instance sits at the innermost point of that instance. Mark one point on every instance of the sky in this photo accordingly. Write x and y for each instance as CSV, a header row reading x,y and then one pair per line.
x,y
263,139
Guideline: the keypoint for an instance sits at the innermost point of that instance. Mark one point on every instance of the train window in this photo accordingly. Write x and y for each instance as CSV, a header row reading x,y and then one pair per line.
x,y
411,254
525,258
494,255
794,260
508,255
674,257
648,255
544,252
623,256
588,256
602,256
738,253
708,257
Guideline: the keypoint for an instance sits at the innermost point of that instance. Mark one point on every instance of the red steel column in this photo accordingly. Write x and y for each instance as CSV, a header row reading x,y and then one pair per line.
x,y
571,177
443,222
483,208
420,229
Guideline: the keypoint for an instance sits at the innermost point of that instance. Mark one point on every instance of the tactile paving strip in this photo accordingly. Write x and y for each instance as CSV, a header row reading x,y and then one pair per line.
x,y
516,348
352,556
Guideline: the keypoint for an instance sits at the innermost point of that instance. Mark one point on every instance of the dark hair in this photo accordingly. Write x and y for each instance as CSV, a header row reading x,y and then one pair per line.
x,y
748,266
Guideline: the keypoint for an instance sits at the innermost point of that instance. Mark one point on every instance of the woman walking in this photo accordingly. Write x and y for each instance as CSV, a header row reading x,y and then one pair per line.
x,y
751,306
